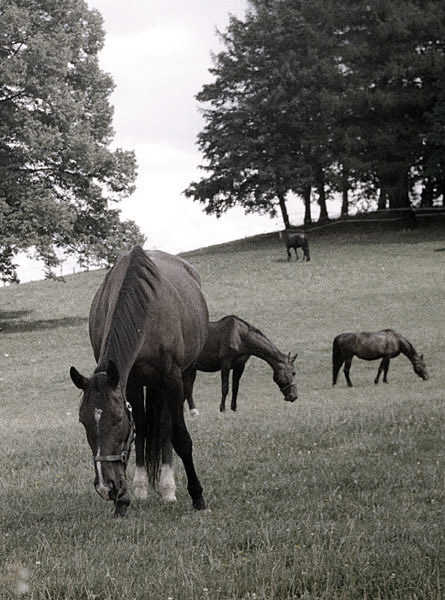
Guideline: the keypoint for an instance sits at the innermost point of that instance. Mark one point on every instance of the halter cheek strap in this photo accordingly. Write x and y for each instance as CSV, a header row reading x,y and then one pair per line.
x,y
125,454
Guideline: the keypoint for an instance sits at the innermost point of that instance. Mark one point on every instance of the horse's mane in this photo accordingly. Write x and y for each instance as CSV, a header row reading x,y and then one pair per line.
x,y
130,294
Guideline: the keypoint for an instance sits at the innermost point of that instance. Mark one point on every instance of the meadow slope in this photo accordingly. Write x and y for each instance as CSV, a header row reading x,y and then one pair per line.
x,y
340,495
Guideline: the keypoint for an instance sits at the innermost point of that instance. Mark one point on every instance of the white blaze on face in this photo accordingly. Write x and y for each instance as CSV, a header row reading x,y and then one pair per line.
x,y
102,489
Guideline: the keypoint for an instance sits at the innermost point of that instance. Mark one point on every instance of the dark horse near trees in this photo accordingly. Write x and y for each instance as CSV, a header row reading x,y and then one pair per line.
x,y
385,344
148,323
297,240
230,343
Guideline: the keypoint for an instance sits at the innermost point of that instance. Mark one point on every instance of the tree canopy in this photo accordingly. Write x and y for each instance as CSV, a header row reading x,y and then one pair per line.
x,y
326,96
58,175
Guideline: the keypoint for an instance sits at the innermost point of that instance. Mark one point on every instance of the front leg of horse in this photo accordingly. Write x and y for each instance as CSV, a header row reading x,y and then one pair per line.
x,y
385,370
224,388
182,442
236,376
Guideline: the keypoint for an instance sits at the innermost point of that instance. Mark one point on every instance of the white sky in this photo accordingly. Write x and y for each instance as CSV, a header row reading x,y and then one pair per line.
x,y
158,53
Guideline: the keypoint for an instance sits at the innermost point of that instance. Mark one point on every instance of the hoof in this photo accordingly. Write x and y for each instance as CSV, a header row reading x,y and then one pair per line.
x,y
121,508
194,412
199,504
169,497
140,493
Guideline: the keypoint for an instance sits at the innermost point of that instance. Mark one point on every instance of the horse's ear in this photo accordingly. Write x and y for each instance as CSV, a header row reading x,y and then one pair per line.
x,y
291,358
79,380
295,357
421,357
112,374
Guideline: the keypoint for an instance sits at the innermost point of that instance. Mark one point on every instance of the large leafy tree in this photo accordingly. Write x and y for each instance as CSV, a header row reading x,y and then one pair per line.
x,y
324,95
267,133
58,175
392,57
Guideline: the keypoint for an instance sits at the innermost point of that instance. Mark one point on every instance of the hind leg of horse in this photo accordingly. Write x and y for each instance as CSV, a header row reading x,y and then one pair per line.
x,y
135,395
188,378
346,371
167,484
236,376
224,387
182,442
336,366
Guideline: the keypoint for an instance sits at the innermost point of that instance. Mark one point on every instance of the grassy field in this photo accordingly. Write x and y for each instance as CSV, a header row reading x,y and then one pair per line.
x,y
340,495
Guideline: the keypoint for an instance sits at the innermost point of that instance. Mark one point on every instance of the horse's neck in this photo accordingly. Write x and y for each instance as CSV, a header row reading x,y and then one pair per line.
x,y
258,345
407,349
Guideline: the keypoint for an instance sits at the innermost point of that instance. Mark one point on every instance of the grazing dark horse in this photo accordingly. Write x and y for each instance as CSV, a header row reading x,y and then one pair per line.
x,y
297,240
230,343
148,323
385,344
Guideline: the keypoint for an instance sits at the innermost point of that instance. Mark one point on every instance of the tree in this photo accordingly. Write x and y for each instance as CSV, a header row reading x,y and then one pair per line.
x,y
391,54
327,96
267,133
57,173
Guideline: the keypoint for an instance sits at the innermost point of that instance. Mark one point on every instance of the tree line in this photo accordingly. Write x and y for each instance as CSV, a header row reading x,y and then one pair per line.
x,y
59,179
322,97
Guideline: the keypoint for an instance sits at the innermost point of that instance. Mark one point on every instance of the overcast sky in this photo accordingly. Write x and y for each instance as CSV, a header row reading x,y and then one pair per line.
x,y
159,53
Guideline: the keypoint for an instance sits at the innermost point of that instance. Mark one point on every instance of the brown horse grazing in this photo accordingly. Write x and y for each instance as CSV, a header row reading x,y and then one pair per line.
x,y
385,344
148,323
230,343
297,240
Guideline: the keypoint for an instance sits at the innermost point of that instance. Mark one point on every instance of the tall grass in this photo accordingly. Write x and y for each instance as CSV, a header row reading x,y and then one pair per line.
x,y
339,495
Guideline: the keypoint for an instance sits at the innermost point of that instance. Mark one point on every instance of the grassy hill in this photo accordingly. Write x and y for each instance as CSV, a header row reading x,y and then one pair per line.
x,y
339,495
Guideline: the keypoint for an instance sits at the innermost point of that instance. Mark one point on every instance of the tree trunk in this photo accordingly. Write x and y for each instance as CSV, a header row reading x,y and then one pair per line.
x,y
398,192
323,218
307,205
381,205
345,201
283,208
427,195
345,193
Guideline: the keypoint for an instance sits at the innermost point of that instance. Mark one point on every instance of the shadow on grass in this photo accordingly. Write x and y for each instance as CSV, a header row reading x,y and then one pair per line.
x,y
16,322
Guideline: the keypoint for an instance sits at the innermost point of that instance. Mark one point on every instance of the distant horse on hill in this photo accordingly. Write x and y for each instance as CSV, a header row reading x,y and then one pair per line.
x,y
297,240
385,344
148,323
230,343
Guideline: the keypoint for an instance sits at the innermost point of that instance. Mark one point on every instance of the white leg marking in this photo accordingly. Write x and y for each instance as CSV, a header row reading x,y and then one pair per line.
x,y
140,482
167,485
194,412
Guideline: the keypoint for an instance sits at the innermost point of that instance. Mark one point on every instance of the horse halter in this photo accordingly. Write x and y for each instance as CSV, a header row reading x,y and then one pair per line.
x,y
285,388
125,454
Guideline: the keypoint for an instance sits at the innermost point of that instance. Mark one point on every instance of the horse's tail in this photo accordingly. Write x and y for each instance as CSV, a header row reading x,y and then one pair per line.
x,y
153,446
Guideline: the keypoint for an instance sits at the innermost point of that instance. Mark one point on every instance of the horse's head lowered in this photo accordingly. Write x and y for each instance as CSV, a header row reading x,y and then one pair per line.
x,y
420,367
284,377
106,416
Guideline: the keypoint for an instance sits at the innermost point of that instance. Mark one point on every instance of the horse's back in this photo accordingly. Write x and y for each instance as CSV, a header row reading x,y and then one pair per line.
x,y
174,311
368,345
223,342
